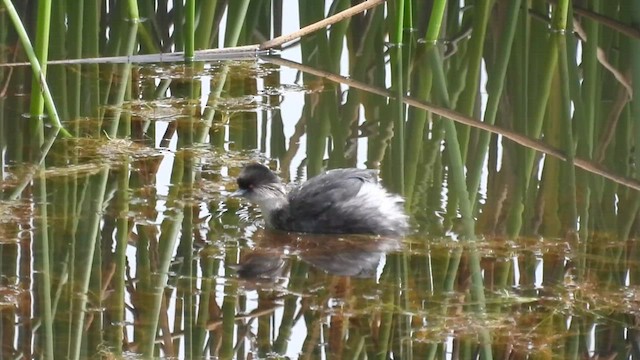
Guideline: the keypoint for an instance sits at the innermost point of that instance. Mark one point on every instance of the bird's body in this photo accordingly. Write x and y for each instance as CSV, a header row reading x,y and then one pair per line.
x,y
340,201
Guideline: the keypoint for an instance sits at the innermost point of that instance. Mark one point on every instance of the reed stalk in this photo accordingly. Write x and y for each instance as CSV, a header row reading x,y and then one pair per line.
x,y
398,21
635,64
568,200
38,73
495,86
123,86
534,130
467,100
550,182
458,186
435,21
58,74
90,82
190,27
236,14
41,50
397,108
418,118
205,29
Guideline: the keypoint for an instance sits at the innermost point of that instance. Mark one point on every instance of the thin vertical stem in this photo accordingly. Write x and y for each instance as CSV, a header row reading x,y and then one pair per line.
x,y
42,53
189,33
35,66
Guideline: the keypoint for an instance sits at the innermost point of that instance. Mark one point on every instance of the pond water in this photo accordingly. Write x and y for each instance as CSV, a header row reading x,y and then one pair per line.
x,y
122,241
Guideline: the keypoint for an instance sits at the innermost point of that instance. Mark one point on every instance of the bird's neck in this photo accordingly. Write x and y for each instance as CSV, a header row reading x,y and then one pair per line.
x,y
271,208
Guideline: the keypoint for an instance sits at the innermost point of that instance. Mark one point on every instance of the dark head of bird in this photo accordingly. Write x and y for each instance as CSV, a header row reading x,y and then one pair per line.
x,y
258,184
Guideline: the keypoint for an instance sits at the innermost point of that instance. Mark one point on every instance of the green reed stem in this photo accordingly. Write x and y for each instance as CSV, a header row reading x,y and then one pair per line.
x,y
551,179
585,145
534,130
418,118
560,15
397,108
205,29
75,14
41,49
435,20
629,216
569,178
38,73
458,185
147,42
134,12
337,35
415,130
58,75
123,85
474,63
495,85
635,73
189,33
590,83
90,78
399,22
236,13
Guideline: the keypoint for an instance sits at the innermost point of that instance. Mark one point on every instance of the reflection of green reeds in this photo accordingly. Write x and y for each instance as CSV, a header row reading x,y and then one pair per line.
x,y
156,274
389,301
117,305
83,260
42,265
230,305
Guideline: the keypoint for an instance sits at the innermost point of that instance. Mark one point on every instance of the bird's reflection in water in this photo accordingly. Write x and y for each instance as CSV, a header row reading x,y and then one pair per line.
x,y
343,255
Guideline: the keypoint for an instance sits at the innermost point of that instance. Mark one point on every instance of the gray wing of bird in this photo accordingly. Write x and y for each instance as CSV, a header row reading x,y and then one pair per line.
x,y
315,204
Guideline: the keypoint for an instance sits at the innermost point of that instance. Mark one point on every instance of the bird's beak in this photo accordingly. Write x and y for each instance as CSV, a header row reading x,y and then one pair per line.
x,y
239,193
